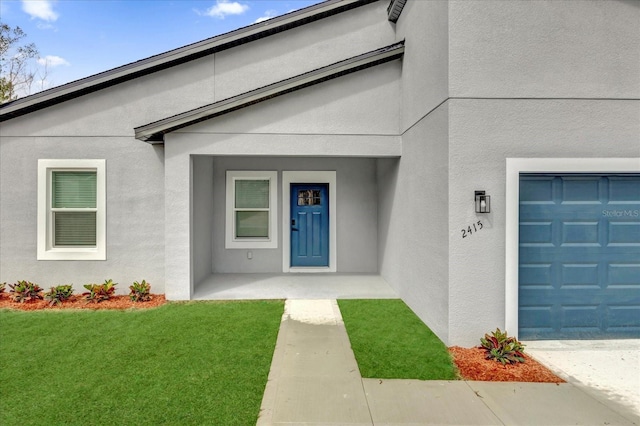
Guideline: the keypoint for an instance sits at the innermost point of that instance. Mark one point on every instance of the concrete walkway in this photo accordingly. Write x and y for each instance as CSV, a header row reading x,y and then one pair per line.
x,y
314,380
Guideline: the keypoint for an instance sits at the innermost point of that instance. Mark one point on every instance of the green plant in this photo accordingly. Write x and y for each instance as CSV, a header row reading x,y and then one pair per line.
x,y
140,292
220,379
23,291
502,348
394,343
58,294
2,287
99,292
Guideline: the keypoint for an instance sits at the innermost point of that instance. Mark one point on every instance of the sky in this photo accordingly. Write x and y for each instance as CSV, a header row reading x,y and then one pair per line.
x,y
79,38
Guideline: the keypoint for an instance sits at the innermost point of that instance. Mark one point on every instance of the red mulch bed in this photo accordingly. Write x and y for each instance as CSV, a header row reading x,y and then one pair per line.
x,y
472,365
77,302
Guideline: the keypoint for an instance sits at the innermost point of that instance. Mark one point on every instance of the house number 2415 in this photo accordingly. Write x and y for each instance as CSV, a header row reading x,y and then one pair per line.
x,y
471,229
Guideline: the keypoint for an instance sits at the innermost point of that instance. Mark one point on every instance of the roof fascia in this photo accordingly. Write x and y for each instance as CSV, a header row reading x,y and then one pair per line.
x,y
176,57
395,9
154,132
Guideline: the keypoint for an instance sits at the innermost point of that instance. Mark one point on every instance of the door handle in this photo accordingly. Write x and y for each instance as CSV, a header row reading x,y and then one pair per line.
x,y
294,229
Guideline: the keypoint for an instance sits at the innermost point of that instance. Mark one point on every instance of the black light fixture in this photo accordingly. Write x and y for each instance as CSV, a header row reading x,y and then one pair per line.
x,y
483,202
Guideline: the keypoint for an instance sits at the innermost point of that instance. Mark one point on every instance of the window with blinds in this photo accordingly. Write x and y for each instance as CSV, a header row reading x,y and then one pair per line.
x,y
71,209
252,208
73,206
251,200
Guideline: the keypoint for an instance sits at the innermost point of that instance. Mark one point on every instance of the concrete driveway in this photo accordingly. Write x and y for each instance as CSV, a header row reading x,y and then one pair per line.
x,y
608,369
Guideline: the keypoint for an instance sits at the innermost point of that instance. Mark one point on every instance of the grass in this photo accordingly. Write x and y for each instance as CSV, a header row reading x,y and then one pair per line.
x,y
390,342
182,363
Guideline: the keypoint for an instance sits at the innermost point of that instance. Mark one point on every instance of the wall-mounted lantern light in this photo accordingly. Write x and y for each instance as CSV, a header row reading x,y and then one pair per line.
x,y
483,202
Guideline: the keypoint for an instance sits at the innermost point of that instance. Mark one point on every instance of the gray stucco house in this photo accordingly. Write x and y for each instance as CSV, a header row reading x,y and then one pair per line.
x,y
351,137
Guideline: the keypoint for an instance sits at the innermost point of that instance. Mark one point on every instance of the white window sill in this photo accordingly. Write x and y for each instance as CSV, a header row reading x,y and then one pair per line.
x,y
253,244
72,254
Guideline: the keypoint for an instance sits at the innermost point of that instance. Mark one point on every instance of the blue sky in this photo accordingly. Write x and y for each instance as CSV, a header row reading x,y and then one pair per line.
x,y
79,38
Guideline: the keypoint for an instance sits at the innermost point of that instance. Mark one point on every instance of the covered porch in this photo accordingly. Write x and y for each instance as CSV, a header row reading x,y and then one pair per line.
x,y
294,286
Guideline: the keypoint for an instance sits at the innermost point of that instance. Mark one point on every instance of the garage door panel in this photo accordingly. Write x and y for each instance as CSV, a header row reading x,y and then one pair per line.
x,y
538,190
585,190
535,275
580,275
624,190
623,275
627,233
574,295
536,233
585,317
624,316
580,233
537,319
579,272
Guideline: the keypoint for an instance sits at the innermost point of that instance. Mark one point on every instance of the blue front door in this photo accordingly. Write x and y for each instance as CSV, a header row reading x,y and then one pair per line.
x,y
579,274
309,224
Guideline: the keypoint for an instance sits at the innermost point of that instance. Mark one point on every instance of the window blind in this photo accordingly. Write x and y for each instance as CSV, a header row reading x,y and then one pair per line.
x,y
73,189
74,229
252,194
252,224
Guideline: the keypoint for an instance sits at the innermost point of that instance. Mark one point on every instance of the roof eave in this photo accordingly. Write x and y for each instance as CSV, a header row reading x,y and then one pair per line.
x,y
154,132
395,9
176,57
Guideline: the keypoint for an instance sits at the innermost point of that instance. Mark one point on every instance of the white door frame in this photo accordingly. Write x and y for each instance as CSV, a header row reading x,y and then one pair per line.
x,y
289,177
515,166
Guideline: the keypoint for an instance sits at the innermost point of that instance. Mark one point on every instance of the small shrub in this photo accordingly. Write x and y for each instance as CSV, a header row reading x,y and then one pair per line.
x,y
2,287
140,292
99,292
504,349
58,294
23,291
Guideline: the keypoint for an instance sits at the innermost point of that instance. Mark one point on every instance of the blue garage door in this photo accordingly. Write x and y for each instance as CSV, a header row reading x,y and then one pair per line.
x,y
579,271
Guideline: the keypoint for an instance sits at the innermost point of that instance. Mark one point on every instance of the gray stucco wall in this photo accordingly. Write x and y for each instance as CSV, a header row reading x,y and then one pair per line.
x,y
425,71
413,207
356,214
354,116
557,52
481,81
471,60
100,125
483,133
116,111
135,212
202,216
302,49
413,233
363,103
544,49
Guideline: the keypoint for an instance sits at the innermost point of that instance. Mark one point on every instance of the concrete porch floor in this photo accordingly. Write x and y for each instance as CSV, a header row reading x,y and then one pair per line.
x,y
293,286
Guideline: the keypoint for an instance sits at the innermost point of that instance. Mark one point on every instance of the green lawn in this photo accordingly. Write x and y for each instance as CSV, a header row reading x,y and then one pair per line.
x,y
390,342
183,363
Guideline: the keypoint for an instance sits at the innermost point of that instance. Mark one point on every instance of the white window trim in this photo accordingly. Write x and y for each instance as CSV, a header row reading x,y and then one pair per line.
x,y
251,243
289,177
516,166
46,251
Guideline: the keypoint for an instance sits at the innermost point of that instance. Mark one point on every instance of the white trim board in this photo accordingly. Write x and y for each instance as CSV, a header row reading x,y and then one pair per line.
x,y
516,166
289,177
